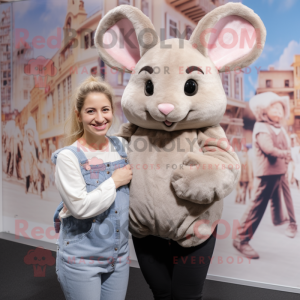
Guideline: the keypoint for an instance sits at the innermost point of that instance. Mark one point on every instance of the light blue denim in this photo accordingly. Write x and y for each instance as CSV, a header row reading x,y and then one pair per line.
x,y
92,259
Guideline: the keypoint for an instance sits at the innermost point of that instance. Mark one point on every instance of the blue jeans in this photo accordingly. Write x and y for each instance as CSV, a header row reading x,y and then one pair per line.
x,y
89,283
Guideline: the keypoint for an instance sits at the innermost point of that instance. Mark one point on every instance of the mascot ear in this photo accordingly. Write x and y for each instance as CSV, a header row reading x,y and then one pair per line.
x,y
232,36
123,36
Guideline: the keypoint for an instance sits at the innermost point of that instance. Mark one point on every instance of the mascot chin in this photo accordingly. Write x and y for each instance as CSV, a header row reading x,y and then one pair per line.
x,y
183,165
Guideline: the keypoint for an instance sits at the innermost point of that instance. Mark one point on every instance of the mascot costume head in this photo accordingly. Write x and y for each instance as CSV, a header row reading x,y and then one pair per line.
x,y
183,165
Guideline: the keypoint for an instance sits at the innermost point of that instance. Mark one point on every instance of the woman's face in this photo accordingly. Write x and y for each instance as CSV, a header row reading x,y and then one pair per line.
x,y
276,112
96,114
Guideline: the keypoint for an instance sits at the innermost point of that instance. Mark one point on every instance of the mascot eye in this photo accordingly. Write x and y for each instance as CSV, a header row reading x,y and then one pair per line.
x,y
149,88
190,87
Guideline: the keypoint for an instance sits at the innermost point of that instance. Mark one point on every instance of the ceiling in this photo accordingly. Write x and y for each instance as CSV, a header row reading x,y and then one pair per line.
x,y
194,10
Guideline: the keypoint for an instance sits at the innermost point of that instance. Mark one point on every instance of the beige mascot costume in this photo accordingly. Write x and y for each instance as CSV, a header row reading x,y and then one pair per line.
x,y
183,165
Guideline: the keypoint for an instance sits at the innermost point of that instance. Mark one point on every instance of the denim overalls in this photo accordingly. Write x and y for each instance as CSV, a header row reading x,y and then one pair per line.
x,y
87,247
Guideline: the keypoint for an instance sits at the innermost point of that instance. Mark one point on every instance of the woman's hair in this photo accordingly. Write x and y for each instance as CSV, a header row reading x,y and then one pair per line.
x,y
74,128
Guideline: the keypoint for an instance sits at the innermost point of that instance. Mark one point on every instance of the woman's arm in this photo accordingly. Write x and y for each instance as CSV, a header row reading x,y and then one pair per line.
x,y
72,188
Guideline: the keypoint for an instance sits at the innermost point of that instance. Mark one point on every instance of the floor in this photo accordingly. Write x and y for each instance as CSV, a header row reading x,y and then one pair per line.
x,y
19,283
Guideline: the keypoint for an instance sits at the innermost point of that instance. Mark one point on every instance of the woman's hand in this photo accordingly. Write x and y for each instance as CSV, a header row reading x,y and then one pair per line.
x,y
122,176
64,210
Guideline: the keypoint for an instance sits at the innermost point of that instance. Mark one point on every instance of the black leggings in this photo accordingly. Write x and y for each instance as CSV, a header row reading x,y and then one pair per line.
x,y
172,271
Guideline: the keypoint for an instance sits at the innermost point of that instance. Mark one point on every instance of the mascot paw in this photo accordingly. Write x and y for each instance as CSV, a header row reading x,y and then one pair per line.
x,y
191,159
179,182
192,183
181,177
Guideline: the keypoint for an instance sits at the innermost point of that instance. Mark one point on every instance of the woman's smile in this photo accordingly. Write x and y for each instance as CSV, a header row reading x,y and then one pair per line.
x,y
99,127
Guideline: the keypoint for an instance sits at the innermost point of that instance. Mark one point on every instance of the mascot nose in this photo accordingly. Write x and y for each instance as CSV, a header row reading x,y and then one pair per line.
x,y
165,108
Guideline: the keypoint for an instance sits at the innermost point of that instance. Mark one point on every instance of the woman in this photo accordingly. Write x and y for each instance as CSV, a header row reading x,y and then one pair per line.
x,y
92,178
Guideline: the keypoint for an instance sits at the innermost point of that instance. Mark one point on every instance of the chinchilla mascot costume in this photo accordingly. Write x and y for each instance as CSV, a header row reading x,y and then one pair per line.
x,y
183,165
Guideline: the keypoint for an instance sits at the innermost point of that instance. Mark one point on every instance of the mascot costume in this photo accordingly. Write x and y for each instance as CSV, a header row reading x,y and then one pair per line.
x,y
183,165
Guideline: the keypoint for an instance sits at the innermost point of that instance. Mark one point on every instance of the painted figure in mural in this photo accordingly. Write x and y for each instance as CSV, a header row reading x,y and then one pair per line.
x,y
92,176
3,140
250,161
246,180
295,141
272,154
278,209
13,147
32,150
43,176
52,149
175,102
9,146
29,159
18,150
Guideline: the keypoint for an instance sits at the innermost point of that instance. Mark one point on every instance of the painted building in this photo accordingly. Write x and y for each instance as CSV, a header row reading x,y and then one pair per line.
x,y
22,53
232,121
6,60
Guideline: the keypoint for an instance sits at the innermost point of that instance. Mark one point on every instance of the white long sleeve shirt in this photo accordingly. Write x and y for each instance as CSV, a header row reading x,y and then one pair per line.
x,y
72,187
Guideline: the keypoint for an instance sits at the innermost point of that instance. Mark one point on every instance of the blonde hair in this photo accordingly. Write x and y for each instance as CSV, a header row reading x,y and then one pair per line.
x,y
73,128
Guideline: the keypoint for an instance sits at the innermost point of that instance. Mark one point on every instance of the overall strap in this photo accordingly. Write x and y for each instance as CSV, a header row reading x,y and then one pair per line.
x,y
76,150
118,145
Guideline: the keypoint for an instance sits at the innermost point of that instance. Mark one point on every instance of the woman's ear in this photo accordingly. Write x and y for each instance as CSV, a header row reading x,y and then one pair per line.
x,y
78,116
232,36
123,36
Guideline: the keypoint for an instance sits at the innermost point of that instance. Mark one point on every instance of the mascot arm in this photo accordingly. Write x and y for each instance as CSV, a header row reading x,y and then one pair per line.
x,y
211,174
126,131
